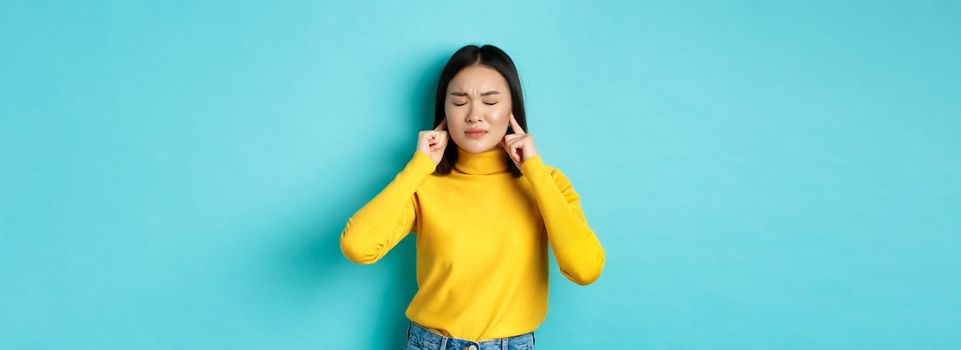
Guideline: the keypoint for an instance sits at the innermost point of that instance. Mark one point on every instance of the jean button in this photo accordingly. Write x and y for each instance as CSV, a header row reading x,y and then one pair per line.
x,y
471,347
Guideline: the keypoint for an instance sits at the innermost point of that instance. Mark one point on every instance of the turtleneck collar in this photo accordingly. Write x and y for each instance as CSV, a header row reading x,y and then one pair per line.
x,y
487,162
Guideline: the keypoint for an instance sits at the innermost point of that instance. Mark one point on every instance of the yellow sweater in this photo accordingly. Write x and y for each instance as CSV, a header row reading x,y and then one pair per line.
x,y
482,236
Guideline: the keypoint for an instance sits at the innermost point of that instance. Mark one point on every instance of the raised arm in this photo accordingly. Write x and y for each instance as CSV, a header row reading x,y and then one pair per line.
x,y
387,218
579,253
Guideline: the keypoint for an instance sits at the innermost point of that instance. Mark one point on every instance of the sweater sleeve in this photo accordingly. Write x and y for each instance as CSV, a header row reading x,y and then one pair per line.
x,y
387,218
579,253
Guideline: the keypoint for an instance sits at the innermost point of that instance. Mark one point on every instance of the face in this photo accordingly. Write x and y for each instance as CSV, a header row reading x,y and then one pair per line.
x,y
478,108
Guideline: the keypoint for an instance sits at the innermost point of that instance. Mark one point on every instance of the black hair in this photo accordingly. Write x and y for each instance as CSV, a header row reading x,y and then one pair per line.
x,y
490,56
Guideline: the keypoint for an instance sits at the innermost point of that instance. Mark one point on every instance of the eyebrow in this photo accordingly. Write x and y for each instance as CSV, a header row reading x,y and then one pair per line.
x,y
492,92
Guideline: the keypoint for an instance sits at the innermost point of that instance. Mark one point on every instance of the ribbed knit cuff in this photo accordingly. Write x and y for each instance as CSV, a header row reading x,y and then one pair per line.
x,y
532,165
420,165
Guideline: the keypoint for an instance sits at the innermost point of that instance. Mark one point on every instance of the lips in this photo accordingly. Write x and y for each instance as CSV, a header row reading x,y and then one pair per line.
x,y
475,133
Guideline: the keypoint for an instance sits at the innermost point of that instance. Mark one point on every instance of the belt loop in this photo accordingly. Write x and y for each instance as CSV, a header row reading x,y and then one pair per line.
x,y
443,343
504,343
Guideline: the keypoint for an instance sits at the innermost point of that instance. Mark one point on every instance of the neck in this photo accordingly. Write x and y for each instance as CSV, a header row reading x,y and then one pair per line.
x,y
488,162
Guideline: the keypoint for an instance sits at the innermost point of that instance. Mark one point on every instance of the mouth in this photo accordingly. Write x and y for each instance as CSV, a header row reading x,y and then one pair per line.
x,y
475,133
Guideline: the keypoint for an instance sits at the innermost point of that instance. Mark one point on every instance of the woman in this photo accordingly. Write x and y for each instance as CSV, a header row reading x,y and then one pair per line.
x,y
483,213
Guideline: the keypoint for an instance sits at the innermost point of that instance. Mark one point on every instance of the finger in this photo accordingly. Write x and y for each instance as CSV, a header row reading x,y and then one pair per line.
x,y
506,143
512,138
513,150
516,126
442,125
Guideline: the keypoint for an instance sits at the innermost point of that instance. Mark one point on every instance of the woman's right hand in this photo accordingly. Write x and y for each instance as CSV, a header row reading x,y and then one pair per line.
x,y
433,142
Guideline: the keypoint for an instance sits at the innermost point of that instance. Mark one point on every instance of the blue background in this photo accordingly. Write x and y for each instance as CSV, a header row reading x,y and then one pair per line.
x,y
175,175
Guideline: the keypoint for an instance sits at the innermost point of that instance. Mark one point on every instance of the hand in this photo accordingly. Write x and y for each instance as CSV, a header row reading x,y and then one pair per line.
x,y
519,145
433,142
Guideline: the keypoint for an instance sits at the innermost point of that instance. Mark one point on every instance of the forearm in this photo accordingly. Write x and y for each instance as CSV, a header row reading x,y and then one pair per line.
x,y
577,249
383,221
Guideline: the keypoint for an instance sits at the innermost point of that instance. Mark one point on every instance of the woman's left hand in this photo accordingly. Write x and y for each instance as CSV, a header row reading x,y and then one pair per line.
x,y
519,145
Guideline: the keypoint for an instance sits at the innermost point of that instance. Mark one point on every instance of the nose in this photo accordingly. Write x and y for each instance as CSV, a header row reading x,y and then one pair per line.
x,y
475,114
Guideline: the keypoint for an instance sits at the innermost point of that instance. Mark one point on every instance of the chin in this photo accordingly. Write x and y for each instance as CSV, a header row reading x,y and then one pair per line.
x,y
475,146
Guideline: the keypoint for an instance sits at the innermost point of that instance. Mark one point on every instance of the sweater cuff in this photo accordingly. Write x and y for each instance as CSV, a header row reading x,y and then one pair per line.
x,y
532,165
420,164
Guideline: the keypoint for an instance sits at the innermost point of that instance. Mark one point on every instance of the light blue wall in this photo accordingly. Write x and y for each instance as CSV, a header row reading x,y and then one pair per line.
x,y
175,175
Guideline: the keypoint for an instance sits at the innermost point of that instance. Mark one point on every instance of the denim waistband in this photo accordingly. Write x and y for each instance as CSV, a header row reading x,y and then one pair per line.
x,y
423,337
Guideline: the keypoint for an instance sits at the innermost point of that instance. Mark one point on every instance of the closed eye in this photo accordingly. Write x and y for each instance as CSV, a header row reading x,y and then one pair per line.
x,y
489,104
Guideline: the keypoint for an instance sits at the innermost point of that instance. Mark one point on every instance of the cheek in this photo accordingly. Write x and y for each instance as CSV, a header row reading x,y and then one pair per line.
x,y
501,118
454,117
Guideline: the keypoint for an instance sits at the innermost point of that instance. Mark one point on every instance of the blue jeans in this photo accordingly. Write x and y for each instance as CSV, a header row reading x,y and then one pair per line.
x,y
420,338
